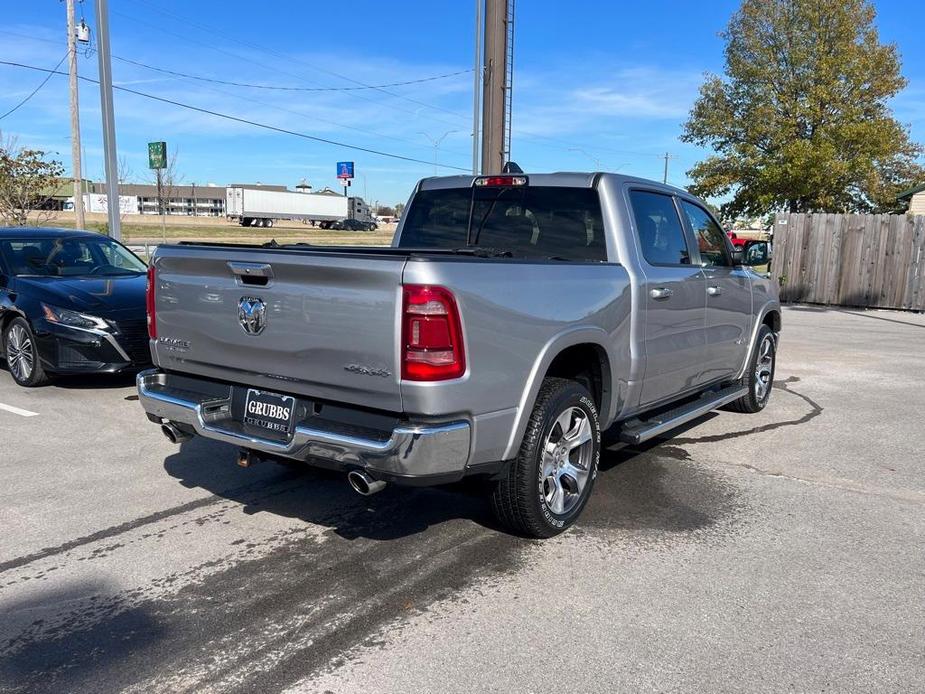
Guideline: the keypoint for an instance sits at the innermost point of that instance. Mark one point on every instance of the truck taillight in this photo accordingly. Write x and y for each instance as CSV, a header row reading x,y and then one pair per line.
x,y
432,342
151,304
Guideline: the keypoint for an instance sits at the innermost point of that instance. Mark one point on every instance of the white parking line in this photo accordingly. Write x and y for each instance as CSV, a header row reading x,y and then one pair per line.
x,y
16,410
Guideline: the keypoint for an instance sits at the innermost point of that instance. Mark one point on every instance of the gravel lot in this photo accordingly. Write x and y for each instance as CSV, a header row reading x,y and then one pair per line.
x,y
777,552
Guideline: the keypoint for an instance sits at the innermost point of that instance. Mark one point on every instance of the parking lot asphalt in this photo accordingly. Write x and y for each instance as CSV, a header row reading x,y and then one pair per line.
x,y
771,552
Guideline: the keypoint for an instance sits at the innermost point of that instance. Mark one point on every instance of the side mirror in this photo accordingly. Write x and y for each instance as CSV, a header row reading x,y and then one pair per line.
x,y
754,253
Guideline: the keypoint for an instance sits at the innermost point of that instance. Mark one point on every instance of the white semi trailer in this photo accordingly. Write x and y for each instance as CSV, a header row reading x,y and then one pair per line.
x,y
255,207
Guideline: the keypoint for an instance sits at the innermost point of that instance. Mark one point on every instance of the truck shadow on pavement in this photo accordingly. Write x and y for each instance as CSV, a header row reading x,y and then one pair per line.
x,y
654,487
304,601
55,647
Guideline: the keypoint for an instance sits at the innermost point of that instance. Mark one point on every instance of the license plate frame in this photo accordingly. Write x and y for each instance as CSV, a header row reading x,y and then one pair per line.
x,y
273,416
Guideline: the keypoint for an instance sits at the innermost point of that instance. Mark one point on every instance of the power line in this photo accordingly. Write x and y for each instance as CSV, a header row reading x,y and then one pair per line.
x,y
288,88
265,104
200,42
315,117
246,121
41,84
539,140
270,51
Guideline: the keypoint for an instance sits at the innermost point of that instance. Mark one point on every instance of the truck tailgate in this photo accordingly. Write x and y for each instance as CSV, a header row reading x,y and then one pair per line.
x,y
329,328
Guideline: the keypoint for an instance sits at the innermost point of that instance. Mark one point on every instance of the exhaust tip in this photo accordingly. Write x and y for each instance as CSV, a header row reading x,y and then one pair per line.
x,y
363,484
173,434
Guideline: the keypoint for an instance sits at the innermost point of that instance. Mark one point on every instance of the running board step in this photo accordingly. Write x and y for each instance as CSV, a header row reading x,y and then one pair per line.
x,y
637,431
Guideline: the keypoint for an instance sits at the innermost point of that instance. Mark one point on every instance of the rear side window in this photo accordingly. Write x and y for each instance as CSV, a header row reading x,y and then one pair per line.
x,y
529,221
661,235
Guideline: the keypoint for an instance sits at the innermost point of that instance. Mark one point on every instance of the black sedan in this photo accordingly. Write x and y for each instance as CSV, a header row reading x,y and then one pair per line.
x,y
354,225
71,302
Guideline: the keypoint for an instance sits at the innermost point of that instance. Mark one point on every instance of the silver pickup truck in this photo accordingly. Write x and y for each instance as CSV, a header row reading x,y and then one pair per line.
x,y
514,319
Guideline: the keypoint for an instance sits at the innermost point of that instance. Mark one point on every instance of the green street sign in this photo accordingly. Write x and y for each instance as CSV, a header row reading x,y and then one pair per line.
x,y
157,155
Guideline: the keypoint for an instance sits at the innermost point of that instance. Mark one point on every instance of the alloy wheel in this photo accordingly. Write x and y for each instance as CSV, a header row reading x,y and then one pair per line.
x,y
566,461
764,368
19,354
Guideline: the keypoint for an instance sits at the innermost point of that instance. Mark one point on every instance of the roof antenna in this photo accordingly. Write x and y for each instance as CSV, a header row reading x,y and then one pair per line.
x,y
512,168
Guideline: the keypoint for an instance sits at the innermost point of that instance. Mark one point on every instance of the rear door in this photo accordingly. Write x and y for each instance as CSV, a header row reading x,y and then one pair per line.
x,y
728,296
674,298
320,324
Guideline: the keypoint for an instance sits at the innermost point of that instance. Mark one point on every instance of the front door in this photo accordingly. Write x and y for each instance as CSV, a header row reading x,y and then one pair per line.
x,y
674,299
728,297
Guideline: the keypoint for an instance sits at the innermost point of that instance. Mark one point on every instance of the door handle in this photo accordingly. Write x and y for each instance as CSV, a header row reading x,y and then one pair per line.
x,y
714,291
661,293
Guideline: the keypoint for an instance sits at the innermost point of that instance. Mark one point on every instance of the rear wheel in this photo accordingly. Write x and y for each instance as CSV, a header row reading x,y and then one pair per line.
x,y
548,484
759,374
22,355
268,222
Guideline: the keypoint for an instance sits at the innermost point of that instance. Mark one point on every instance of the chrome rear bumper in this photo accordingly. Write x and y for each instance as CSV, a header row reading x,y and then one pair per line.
x,y
408,451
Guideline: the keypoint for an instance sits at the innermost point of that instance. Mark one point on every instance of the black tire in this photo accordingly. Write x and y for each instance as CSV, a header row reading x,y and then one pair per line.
x,y
19,344
268,223
757,397
520,499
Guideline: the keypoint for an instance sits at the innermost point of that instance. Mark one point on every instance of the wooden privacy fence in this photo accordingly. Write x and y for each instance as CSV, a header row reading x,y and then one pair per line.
x,y
871,260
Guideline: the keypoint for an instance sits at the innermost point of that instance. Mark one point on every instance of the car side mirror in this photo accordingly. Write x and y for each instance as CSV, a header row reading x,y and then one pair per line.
x,y
754,253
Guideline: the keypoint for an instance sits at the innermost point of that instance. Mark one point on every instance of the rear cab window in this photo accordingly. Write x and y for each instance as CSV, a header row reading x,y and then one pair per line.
x,y
535,222
658,226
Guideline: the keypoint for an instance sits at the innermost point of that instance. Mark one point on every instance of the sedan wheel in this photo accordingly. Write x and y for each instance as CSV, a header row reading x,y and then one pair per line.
x,y
22,356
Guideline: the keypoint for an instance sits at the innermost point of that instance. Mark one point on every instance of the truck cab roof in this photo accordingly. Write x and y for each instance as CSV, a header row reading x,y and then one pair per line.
x,y
563,179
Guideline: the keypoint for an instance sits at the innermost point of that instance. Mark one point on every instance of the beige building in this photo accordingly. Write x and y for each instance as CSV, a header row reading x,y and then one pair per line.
x,y
916,198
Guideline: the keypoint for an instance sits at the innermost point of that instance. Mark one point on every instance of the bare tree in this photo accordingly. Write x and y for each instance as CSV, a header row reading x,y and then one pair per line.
x,y
167,181
28,182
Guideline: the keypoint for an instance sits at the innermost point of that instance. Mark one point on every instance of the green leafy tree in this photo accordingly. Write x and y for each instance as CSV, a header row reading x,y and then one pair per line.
x,y
800,121
27,182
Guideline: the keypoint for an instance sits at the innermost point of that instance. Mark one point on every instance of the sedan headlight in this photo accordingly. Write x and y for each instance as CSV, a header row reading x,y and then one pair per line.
x,y
73,319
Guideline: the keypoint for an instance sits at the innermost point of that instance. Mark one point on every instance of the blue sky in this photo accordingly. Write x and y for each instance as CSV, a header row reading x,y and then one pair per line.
x,y
596,83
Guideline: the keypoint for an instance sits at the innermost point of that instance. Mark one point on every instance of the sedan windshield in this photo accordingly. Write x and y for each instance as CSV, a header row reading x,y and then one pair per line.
x,y
69,257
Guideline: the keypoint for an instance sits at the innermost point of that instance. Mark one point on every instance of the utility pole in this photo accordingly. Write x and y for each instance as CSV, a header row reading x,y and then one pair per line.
x,y
477,87
494,85
80,222
109,119
667,157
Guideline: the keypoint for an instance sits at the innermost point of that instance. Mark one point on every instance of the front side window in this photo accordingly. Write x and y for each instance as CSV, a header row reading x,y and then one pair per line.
x,y
661,235
710,237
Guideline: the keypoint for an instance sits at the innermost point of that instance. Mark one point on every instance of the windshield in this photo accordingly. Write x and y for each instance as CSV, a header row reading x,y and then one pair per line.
x,y
69,256
527,221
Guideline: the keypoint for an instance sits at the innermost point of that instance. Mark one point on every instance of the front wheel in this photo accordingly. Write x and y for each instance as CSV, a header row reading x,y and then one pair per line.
x,y
548,484
22,355
759,374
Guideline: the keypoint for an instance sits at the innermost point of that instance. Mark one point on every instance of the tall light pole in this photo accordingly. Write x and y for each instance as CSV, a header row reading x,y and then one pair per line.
x,y
76,167
109,119
436,143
